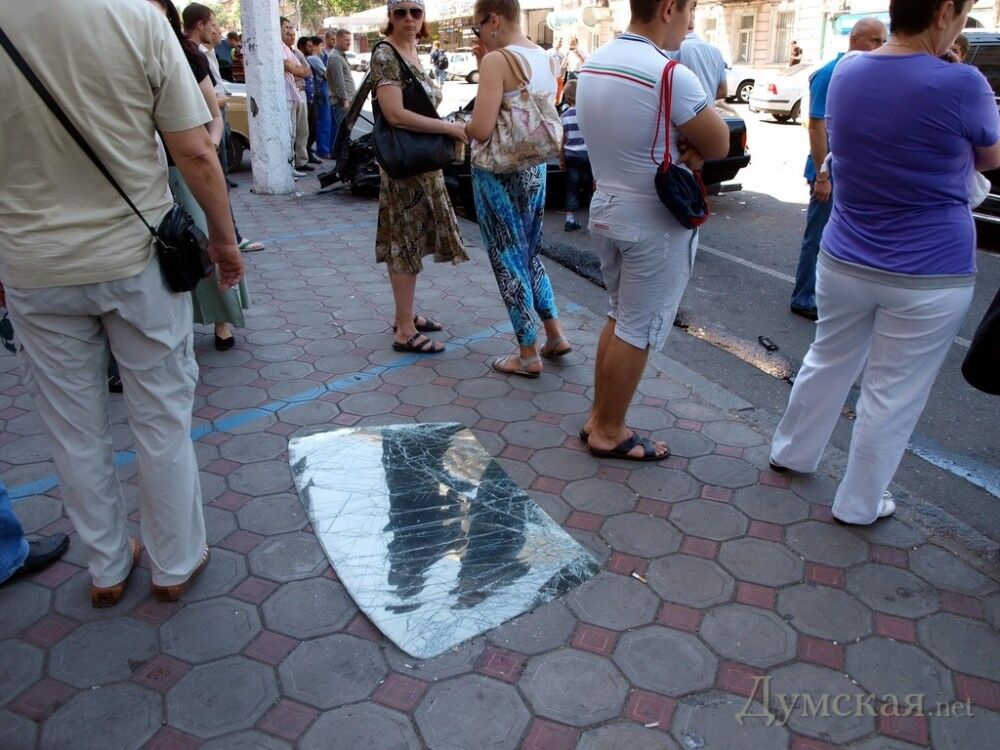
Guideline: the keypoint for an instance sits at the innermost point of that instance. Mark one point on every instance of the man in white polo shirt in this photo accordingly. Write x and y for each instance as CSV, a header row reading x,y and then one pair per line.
x,y
646,255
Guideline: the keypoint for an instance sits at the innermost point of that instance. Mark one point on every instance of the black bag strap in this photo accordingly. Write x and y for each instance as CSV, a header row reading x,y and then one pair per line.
x,y
60,115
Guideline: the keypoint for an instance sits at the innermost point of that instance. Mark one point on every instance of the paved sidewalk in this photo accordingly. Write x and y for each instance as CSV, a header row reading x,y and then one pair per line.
x,y
718,572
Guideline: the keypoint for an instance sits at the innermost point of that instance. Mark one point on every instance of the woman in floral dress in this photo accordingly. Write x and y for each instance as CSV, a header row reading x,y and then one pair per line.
x,y
415,217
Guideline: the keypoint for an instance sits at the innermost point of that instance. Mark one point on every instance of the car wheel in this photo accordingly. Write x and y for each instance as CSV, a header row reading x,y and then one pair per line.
x,y
473,77
781,118
743,91
796,111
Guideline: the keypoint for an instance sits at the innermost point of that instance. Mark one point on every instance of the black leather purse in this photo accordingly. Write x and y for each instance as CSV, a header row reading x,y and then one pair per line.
x,y
681,191
406,153
981,367
180,246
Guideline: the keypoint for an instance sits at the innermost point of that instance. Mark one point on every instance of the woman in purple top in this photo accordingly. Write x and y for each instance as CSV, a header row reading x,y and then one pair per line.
x,y
897,261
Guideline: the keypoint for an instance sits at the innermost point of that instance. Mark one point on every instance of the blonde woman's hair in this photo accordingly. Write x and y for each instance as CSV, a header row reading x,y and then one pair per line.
x,y
506,9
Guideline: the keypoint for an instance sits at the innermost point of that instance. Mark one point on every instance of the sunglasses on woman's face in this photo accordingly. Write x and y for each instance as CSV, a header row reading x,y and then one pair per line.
x,y
477,28
415,13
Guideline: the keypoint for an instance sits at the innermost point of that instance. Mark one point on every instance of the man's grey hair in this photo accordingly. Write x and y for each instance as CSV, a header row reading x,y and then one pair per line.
x,y
864,27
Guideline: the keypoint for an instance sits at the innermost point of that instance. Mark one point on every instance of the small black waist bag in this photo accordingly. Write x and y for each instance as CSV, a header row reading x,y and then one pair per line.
x,y
681,191
180,246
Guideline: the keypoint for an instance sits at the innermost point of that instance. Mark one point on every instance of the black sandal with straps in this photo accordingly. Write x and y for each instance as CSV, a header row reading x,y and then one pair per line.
x,y
417,346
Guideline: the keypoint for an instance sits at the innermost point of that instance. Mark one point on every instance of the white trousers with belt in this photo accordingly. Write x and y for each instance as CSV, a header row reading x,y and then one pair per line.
x,y
900,336
66,334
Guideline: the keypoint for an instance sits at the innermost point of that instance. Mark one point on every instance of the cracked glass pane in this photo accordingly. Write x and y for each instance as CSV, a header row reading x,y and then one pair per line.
x,y
431,537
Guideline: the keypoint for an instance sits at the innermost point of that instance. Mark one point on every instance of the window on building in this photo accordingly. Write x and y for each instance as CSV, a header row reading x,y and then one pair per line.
x,y
744,39
783,30
710,32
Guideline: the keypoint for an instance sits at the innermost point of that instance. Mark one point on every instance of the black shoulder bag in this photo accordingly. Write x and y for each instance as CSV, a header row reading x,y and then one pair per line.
x,y
406,153
681,191
180,246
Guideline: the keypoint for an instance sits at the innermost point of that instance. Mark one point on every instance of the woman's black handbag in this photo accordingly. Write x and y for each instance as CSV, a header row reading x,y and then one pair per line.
x,y
406,153
681,191
180,245
982,364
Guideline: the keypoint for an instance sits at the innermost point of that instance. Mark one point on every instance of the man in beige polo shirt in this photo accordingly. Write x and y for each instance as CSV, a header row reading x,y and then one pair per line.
x,y
82,280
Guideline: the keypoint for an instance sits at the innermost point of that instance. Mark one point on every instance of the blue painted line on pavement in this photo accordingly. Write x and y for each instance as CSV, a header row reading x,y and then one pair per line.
x,y
246,416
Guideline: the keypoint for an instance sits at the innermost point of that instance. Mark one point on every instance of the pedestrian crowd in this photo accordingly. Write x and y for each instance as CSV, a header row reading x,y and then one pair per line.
x,y
887,265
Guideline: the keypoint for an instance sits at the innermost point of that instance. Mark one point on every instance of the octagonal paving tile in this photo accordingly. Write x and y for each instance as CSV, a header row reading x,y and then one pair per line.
x,y
969,646
991,607
16,731
886,667
487,387
684,443
599,496
819,487
893,591
731,432
574,687
121,716
219,524
708,720
808,679
448,413
227,377
333,670
540,630
659,483
225,570
534,434
760,562
642,535
21,603
563,402
73,597
288,370
689,580
272,514
309,413
966,732
261,446
554,505
238,397
625,736
771,504
365,725
749,635
451,663
944,570
27,450
247,740
472,712
206,701
723,471
102,652
826,543
824,612
37,512
209,630
613,601
709,519
262,477
304,609
290,557
890,532
368,404
22,667
665,661
563,463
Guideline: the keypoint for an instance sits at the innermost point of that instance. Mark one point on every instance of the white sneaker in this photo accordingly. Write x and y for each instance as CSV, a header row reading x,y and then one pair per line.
x,y
297,173
887,506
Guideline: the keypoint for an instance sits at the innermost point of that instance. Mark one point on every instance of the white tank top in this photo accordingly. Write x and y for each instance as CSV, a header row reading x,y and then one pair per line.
x,y
537,61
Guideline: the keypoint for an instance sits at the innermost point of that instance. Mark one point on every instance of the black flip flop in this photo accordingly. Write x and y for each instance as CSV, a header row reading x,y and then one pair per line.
x,y
424,347
622,450
429,326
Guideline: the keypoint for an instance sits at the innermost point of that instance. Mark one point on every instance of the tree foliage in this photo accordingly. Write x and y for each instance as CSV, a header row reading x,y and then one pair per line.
x,y
313,11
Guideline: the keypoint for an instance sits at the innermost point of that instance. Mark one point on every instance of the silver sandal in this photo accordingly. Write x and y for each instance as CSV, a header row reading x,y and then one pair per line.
x,y
553,348
524,364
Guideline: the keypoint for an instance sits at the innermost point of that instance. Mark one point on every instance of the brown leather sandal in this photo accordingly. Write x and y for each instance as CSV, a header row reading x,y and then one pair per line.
x,y
108,596
175,592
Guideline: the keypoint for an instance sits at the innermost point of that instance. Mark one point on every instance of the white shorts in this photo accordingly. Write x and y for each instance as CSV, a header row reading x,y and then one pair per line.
x,y
646,260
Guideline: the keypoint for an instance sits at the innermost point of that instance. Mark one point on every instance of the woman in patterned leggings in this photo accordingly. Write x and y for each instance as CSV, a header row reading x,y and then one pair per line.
x,y
510,206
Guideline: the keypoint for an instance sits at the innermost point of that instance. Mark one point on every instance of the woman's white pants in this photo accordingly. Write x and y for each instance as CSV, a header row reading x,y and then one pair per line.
x,y
900,336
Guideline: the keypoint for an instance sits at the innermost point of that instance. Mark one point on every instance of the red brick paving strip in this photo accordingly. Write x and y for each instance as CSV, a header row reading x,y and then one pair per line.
x,y
169,738
161,673
756,595
254,590
824,653
288,720
362,627
400,692
699,547
898,628
270,648
626,565
547,735
49,630
679,617
41,699
741,679
600,641
959,604
770,532
907,728
645,707
825,575
985,693
501,664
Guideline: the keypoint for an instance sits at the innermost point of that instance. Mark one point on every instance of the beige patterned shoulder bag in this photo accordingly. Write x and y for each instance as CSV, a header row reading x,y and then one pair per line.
x,y
528,131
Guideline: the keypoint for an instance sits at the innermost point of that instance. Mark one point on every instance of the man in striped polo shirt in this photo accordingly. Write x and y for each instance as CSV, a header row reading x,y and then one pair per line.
x,y
576,163
646,255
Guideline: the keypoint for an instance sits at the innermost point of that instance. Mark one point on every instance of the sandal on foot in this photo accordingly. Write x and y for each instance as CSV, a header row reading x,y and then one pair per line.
x,y
249,246
173,593
622,450
428,326
522,365
108,596
551,349
418,344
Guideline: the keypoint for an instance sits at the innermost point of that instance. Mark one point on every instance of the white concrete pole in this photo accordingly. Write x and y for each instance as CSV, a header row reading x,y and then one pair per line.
x,y
267,109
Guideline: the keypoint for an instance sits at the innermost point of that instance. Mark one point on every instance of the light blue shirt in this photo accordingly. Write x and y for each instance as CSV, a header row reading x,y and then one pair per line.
x,y
704,60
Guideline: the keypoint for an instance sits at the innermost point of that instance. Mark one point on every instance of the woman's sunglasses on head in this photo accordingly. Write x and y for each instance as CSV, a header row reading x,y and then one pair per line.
x,y
415,13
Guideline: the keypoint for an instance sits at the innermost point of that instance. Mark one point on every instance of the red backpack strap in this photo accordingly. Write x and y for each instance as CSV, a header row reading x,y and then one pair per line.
x,y
663,110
